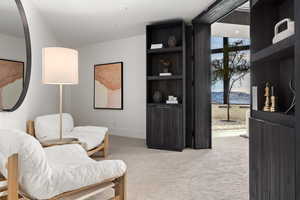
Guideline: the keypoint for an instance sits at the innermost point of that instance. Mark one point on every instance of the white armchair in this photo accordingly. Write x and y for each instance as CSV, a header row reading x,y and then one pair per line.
x,y
56,172
94,138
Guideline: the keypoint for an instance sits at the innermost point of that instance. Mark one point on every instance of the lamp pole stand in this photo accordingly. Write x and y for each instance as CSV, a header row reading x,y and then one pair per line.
x,y
61,140
60,110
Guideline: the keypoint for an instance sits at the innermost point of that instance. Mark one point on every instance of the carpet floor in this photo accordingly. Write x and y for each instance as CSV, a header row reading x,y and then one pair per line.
x,y
217,174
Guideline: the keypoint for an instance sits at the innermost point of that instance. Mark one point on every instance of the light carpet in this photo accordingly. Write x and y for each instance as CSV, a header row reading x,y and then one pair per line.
x,y
217,174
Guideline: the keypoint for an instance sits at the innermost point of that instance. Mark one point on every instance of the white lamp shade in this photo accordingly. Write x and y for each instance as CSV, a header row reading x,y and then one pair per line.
x,y
60,65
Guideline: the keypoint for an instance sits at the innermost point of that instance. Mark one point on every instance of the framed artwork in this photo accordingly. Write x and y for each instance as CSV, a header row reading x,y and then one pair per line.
x,y
11,82
108,86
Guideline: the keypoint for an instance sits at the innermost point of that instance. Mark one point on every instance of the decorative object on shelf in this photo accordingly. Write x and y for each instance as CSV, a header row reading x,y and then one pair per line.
x,y
273,101
254,98
172,42
273,104
157,97
172,100
267,98
166,65
290,30
156,46
293,104
108,86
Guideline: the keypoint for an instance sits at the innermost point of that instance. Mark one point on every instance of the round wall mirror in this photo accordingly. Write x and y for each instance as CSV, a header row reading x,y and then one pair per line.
x,y
15,55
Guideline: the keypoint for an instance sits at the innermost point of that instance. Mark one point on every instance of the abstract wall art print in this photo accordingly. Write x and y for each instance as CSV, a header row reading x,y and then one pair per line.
x,y
108,86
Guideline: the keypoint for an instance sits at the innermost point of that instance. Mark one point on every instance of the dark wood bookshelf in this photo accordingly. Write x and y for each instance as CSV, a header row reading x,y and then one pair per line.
x,y
278,51
166,122
164,50
172,77
275,117
273,149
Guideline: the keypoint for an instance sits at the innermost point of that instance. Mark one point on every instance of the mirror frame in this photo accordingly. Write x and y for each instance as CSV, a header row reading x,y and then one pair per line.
x,y
28,57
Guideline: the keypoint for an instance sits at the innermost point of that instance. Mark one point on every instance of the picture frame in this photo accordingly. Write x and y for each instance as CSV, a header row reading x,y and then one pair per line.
x,y
12,82
108,86
17,61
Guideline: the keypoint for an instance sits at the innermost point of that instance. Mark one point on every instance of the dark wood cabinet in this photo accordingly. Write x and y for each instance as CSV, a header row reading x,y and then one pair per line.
x,y
272,161
164,129
166,123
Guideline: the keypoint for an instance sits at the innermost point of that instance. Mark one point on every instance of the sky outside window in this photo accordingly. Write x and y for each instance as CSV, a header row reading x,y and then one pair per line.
x,y
241,90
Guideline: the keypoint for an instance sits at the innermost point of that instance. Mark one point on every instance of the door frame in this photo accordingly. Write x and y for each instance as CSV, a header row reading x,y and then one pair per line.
x,y
202,68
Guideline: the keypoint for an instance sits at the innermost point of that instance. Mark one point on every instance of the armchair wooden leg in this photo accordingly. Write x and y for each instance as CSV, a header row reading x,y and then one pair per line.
x,y
121,188
13,178
106,144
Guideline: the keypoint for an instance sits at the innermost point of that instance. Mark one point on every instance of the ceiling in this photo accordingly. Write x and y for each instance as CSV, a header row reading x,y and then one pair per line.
x,y
235,25
10,20
230,30
245,7
78,23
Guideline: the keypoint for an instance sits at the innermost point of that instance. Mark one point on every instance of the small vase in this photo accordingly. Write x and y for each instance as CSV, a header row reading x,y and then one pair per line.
x,y
157,97
166,65
172,41
165,70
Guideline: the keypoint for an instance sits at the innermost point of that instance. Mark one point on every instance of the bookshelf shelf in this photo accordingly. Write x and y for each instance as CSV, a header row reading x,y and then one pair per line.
x,y
278,51
165,50
173,77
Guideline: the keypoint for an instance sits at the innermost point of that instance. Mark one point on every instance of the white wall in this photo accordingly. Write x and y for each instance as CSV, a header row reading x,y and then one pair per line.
x,y
131,121
40,99
12,48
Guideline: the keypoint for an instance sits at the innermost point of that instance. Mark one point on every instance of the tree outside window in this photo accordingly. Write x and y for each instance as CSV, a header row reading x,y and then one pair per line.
x,y
230,66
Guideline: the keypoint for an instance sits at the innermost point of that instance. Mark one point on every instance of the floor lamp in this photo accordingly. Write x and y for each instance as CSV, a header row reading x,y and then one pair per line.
x,y
60,67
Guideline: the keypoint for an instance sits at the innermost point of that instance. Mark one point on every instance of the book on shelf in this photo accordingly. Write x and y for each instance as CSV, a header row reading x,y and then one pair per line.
x,y
156,46
171,102
165,74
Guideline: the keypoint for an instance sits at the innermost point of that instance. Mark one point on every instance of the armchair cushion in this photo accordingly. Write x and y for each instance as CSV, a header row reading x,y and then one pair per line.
x,y
97,129
47,126
91,136
45,173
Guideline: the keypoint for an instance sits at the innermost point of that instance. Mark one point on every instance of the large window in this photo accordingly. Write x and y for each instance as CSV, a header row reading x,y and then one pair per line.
x,y
230,70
